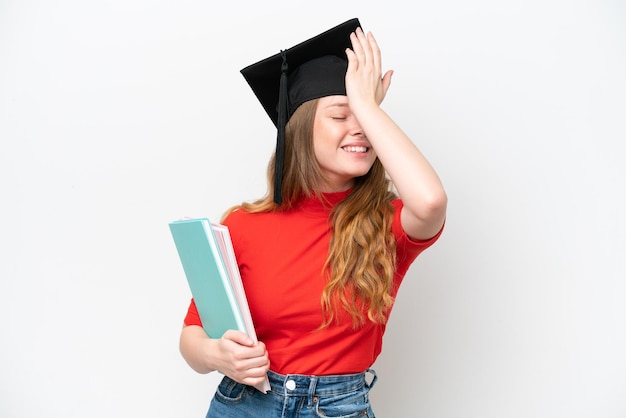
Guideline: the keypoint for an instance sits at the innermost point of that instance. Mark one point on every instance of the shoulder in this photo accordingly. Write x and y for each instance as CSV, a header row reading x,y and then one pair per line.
x,y
243,220
239,216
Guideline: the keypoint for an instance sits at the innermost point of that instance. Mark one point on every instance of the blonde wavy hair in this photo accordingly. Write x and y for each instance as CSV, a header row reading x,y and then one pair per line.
x,y
361,258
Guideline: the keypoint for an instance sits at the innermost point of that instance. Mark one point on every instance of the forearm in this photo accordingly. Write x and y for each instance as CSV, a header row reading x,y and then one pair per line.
x,y
195,347
415,179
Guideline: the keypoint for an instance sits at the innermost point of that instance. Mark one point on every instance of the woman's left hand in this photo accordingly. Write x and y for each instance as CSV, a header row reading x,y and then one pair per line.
x,y
363,78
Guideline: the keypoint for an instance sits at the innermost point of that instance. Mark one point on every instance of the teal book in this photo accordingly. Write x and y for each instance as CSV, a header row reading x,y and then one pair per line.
x,y
208,259
209,263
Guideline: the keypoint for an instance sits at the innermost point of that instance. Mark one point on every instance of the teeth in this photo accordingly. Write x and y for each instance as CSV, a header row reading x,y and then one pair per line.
x,y
355,149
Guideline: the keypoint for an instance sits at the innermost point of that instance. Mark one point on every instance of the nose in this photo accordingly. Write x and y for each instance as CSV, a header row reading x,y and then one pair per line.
x,y
355,129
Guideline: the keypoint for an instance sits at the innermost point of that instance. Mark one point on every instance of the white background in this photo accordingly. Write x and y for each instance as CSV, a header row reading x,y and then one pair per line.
x,y
119,116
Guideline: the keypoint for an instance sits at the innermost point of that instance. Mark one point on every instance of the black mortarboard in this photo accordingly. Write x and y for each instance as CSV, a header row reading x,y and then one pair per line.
x,y
312,69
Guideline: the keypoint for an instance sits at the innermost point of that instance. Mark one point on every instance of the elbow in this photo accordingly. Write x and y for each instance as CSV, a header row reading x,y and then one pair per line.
x,y
423,217
193,346
430,209
434,205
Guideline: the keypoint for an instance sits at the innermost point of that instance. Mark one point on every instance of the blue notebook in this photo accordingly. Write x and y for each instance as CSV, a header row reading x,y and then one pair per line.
x,y
205,252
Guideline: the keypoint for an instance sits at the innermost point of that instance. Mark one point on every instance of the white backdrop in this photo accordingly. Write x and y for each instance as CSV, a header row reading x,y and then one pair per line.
x,y
117,117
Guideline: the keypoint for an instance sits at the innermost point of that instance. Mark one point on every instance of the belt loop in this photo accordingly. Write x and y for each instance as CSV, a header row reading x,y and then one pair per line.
x,y
312,388
374,378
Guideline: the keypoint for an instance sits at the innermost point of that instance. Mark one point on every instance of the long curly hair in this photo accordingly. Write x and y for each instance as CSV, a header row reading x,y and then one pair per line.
x,y
361,258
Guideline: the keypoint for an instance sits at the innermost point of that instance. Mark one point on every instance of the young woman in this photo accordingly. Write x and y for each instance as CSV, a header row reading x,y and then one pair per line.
x,y
323,254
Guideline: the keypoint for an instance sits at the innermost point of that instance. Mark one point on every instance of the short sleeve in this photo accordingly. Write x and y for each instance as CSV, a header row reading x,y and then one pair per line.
x,y
407,249
192,317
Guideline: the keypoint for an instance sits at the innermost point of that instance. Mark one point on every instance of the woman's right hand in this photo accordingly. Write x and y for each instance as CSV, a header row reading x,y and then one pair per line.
x,y
235,354
241,359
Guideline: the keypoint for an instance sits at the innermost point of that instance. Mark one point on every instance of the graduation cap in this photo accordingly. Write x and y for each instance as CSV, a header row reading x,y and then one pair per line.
x,y
312,69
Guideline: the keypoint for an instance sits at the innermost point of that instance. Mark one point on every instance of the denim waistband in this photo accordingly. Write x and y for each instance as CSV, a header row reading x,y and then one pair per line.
x,y
305,385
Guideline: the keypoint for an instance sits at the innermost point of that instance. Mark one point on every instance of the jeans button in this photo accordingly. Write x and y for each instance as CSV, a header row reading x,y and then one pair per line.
x,y
291,385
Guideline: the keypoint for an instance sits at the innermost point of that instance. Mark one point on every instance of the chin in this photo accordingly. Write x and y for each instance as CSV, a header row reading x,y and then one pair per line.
x,y
365,169
360,173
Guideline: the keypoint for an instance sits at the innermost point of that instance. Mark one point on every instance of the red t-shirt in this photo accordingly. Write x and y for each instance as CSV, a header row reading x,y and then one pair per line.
x,y
281,257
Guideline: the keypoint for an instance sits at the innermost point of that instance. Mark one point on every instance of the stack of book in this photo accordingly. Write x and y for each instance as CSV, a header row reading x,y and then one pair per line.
x,y
206,254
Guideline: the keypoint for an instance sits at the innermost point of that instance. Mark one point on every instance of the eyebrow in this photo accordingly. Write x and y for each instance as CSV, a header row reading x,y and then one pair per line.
x,y
331,105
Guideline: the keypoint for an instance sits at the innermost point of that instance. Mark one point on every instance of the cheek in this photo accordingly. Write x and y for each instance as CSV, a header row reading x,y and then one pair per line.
x,y
323,143
321,151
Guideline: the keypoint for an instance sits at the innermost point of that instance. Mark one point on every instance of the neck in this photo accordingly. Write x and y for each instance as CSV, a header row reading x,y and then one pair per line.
x,y
334,187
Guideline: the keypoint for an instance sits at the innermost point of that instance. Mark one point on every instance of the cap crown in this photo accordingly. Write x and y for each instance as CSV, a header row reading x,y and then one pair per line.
x,y
313,80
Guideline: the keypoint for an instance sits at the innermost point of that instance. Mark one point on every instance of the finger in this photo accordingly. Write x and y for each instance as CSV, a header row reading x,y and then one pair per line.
x,y
353,65
258,372
386,82
360,45
254,380
366,51
357,50
238,337
241,364
252,362
375,51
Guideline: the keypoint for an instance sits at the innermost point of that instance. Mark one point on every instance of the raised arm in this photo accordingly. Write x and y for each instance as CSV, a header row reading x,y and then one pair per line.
x,y
416,181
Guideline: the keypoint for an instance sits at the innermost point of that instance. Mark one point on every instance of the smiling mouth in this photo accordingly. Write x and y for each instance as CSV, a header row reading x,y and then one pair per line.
x,y
355,149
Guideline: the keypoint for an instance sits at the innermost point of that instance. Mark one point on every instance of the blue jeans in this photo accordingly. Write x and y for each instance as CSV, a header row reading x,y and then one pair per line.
x,y
340,396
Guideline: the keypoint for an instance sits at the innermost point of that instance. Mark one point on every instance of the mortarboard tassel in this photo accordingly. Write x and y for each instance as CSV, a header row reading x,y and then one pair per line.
x,y
280,140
